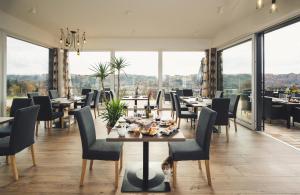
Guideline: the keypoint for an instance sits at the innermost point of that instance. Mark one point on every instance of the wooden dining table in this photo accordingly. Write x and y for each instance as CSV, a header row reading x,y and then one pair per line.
x,y
196,103
6,119
144,178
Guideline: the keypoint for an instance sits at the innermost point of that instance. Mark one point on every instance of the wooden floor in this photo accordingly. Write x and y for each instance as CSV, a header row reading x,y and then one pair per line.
x,y
251,163
279,131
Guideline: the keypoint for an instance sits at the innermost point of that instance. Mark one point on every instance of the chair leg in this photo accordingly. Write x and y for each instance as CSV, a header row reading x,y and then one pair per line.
x,y
227,134
36,128
32,154
7,160
62,123
116,174
50,125
91,164
174,173
199,164
14,166
179,119
208,172
235,127
69,122
95,113
83,171
121,161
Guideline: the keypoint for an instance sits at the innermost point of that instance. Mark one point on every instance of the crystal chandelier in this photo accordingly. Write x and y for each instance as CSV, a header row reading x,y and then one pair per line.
x,y
71,39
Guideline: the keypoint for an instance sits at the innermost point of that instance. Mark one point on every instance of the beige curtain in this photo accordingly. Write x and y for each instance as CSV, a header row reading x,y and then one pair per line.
x,y
210,85
53,68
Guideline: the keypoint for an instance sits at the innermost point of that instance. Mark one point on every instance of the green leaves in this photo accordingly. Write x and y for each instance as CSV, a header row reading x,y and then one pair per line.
x,y
118,63
101,70
114,109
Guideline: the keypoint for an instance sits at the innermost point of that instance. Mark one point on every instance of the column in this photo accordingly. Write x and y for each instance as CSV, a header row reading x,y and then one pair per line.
x,y
3,63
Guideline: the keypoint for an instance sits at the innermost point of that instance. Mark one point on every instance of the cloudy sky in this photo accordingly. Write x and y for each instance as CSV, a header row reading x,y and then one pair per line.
x,y
282,49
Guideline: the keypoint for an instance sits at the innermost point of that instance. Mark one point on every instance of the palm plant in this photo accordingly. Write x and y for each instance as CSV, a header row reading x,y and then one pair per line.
x,y
114,109
118,64
101,71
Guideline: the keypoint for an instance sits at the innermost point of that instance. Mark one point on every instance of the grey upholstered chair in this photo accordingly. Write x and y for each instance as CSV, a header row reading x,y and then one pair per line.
x,y
221,106
17,104
198,148
173,112
46,112
21,137
96,149
157,102
234,101
183,114
85,91
32,94
95,104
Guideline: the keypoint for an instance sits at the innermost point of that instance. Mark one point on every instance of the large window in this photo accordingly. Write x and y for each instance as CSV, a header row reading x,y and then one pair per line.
x,y
282,59
237,77
181,70
27,68
81,73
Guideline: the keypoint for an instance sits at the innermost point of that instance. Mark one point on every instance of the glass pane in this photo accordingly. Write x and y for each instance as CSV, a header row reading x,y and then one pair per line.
x,y
141,72
181,71
237,77
80,69
27,69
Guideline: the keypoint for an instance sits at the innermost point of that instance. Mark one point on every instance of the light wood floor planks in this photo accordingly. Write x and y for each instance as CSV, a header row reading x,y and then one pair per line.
x,y
251,163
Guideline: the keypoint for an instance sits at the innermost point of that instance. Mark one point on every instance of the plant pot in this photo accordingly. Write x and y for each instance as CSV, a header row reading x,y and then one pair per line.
x,y
109,128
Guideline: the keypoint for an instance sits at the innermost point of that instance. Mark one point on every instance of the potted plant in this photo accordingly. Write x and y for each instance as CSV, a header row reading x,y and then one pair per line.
x,y
118,64
101,71
114,109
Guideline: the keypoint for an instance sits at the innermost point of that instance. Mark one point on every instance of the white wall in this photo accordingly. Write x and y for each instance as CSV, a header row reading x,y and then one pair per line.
x,y
23,30
147,44
260,20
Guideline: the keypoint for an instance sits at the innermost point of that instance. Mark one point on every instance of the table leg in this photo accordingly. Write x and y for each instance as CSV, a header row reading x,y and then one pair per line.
x,y
145,164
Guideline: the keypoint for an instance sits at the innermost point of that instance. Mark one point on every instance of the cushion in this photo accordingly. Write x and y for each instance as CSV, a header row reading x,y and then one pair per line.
x,y
5,130
4,146
102,150
187,150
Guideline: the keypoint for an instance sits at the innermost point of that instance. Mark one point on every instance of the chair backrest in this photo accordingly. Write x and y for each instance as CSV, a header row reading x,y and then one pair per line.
x,y
88,99
219,94
23,126
177,105
205,125
53,94
96,97
85,91
187,92
234,101
267,107
158,99
221,106
32,94
179,92
173,101
111,95
86,128
19,103
45,111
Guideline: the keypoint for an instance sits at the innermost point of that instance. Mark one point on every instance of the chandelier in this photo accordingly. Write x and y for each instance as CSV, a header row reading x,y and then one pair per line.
x,y
273,7
71,39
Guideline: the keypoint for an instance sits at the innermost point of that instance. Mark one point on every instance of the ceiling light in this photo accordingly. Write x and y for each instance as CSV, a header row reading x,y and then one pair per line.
x,y
71,39
259,4
273,8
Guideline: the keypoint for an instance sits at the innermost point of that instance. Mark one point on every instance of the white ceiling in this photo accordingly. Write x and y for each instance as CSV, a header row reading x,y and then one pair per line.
x,y
132,18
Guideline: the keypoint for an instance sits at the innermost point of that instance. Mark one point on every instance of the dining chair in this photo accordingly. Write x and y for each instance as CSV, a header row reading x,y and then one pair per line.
x,y
234,101
32,94
46,112
85,91
196,149
17,104
173,112
182,113
187,92
96,149
273,111
219,94
21,137
95,104
87,102
53,94
221,106
157,102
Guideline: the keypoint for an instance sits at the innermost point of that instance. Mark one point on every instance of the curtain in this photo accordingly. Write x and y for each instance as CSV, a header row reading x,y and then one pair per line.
x,y
211,58
219,71
204,75
53,69
66,74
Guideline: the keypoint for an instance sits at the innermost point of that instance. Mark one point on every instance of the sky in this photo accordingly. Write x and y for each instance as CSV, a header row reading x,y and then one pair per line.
x,y
282,49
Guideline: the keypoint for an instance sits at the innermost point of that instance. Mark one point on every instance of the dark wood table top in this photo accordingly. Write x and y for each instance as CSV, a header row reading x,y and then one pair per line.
x,y
135,98
6,119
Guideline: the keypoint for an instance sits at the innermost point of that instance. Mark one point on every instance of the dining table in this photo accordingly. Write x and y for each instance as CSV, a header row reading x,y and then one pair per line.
x,y
196,102
135,99
146,176
6,119
62,103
